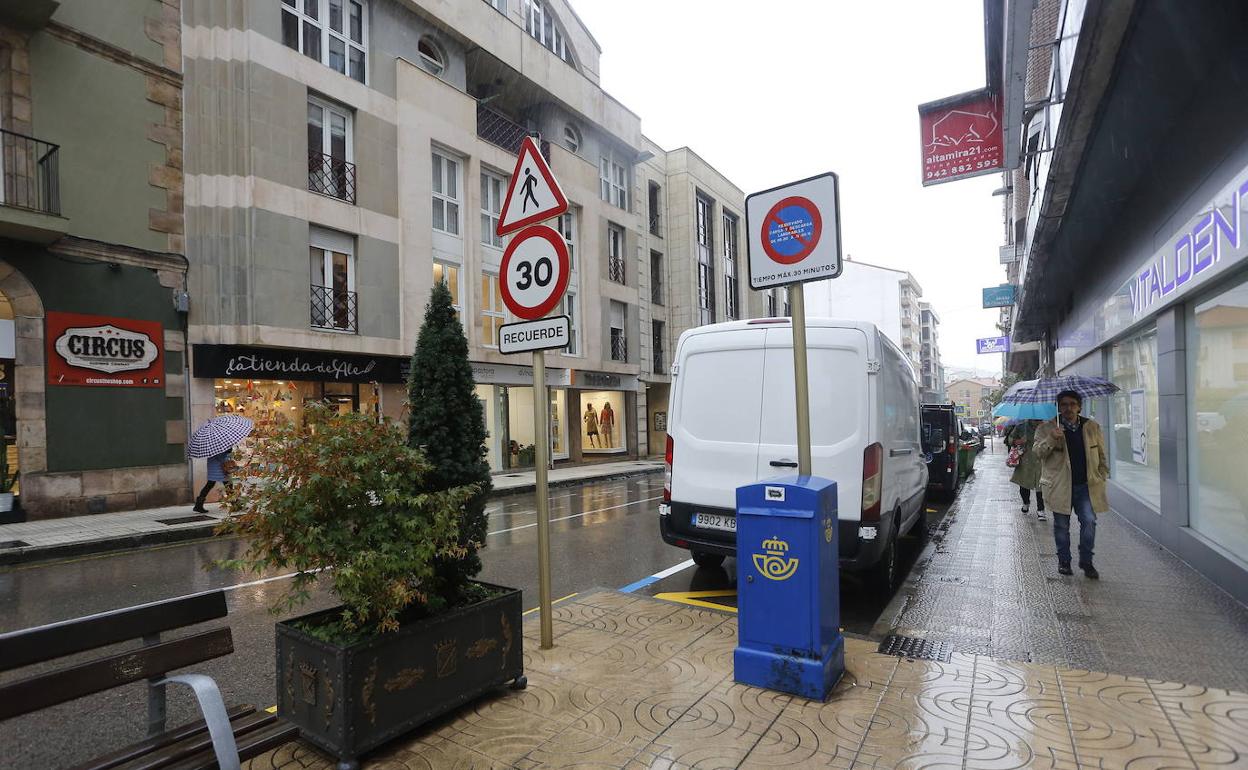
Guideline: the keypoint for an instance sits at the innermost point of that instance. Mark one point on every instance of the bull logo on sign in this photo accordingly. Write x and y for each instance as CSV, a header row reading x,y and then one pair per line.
x,y
772,563
959,127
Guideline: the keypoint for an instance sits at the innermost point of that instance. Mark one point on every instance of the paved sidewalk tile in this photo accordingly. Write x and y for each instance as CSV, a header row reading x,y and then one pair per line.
x,y
675,705
988,584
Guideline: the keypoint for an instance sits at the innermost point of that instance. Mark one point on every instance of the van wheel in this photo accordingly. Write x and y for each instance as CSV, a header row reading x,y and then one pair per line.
x,y
884,573
708,559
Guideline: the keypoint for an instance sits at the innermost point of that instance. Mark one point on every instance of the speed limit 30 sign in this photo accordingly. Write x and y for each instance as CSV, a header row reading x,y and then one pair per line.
x,y
534,273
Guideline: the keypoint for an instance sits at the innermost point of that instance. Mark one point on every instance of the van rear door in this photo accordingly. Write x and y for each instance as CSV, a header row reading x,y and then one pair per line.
x,y
840,409
715,416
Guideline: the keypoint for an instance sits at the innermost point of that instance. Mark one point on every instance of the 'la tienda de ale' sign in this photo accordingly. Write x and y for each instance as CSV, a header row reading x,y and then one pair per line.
x,y
102,351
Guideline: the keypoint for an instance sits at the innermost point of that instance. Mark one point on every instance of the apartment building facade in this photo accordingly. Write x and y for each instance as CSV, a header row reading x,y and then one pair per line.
x,y
698,273
931,371
92,383
1125,239
367,157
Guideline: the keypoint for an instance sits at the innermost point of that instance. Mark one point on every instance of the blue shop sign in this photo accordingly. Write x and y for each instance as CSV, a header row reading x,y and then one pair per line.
x,y
999,296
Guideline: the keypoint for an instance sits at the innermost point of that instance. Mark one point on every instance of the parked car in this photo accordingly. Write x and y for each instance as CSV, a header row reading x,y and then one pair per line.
x,y
731,422
939,432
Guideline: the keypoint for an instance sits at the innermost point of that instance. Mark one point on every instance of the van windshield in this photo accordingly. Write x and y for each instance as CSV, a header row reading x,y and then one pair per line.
x,y
721,393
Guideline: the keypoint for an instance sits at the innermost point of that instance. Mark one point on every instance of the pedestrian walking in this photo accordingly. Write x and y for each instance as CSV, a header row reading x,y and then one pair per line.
x,y
1026,464
219,468
1074,468
216,440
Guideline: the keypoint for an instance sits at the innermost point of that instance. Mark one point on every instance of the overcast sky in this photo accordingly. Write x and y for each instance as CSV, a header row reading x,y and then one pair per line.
x,y
777,91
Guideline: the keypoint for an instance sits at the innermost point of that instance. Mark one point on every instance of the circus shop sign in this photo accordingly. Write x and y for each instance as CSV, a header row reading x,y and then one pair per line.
x,y
102,351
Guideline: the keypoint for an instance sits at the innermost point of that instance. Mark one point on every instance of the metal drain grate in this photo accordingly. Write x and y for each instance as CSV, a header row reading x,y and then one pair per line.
x,y
13,544
952,579
185,519
913,647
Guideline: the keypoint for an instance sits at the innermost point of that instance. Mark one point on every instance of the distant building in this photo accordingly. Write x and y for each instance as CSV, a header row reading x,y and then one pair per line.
x,y
883,296
931,372
971,397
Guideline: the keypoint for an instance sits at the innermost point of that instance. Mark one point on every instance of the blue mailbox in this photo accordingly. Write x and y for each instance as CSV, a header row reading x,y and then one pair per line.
x,y
788,587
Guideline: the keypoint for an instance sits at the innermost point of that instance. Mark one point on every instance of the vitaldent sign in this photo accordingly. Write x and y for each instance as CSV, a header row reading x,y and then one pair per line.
x,y
1207,243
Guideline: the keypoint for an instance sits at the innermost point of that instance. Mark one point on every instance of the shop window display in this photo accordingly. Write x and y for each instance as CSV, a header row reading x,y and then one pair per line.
x,y
602,422
274,402
1135,456
1217,354
521,437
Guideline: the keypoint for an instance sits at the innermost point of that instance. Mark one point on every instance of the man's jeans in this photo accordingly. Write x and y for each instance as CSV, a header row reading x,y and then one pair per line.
x,y
1081,504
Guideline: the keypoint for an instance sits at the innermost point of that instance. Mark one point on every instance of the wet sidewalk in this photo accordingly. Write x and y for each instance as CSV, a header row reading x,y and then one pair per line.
x,y
988,584
77,535
635,682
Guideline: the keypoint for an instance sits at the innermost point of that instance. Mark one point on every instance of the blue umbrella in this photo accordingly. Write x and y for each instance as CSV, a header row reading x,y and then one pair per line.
x,y
1047,388
218,435
1045,411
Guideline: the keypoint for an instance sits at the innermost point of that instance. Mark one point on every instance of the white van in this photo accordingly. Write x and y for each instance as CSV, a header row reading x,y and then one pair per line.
x,y
732,422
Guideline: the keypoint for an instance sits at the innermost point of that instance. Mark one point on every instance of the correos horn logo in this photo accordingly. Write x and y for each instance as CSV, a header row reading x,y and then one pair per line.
x,y
772,563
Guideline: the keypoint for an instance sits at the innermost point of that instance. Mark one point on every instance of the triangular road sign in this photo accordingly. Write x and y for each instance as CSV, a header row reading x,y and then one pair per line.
x,y
533,194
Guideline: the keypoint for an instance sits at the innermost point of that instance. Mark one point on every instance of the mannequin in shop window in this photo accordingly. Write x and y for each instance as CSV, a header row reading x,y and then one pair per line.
x,y
591,427
606,424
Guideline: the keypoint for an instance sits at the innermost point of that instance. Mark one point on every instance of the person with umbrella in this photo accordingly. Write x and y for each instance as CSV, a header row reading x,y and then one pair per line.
x,y
1026,474
216,440
1074,469
1025,417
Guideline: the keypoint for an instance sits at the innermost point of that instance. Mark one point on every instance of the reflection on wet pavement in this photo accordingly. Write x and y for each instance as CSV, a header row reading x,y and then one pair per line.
x,y
637,683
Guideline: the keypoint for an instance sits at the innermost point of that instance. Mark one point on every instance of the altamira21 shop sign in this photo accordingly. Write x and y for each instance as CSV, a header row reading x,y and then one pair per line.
x,y
102,351
961,137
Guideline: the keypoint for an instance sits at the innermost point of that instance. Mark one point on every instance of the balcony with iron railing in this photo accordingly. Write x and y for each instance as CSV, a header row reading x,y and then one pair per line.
x,y
30,198
501,131
331,176
615,269
619,346
334,309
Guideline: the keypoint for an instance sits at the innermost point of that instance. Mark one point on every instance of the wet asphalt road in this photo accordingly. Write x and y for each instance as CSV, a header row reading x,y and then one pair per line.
x,y
603,534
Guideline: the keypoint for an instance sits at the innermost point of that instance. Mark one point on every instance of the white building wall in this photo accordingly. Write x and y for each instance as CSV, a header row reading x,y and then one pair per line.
x,y
861,293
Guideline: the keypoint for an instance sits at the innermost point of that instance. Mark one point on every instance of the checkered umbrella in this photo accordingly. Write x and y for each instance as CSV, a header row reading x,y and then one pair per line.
x,y
218,435
1046,389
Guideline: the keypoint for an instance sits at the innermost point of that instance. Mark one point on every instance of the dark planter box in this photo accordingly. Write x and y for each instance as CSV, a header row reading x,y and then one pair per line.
x,y
348,700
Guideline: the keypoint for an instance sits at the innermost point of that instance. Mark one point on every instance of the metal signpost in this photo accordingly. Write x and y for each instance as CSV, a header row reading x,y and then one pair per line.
x,y
795,237
532,279
788,635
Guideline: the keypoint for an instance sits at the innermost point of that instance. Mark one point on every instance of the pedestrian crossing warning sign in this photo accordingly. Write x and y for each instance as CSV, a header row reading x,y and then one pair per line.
x,y
533,194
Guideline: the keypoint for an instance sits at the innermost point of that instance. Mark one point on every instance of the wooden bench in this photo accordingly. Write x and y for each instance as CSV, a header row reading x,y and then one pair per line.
x,y
222,739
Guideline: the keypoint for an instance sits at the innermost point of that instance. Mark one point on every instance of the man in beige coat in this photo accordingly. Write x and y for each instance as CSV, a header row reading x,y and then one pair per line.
x,y
1073,471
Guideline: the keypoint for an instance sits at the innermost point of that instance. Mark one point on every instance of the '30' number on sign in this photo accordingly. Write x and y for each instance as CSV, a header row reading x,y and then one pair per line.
x,y
541,272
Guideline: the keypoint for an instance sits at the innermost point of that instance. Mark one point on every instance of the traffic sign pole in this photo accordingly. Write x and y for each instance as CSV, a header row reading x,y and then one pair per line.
x,y
533,277
801,383
541,422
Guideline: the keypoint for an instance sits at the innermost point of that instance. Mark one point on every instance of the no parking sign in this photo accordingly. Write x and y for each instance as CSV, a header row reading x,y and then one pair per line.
x,y
794,232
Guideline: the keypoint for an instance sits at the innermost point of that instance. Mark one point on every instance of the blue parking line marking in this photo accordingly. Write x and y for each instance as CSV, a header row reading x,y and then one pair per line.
x,y
656,577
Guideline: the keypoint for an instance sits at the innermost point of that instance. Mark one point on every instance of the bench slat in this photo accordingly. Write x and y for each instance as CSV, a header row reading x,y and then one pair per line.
x,y
55,640
199,744
142,748
251,745
67,684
